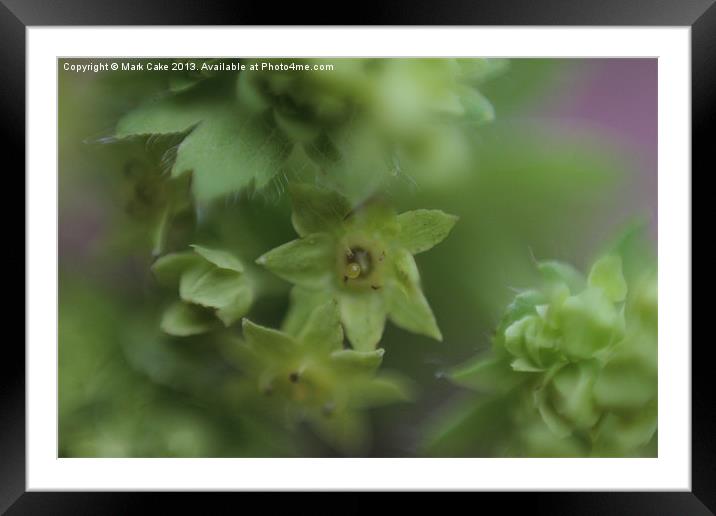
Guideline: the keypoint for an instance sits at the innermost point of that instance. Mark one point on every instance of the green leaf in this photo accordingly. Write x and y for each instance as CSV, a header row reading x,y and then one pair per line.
x,y
222,259
249,94
168,268
379,391
407,306
317,209
210,278
171,114
296,127
358,360
239,306
556,273
301,305
486,374
607,275
183,320
208,286
227,149
267,339
229,152
420,230
308,261
323,331
363,317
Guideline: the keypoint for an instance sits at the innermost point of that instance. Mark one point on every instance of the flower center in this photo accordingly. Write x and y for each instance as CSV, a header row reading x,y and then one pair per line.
x,y
353,270
358,263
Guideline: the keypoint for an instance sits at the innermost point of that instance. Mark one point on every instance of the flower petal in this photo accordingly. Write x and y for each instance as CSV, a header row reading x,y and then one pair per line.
x,y
607,275
420,230
363,317
323,331
239,305
267,340
168,268
358,360
208,286
302,303
373,217
557,273
411,311
307,261
381,390
183,320
221,259
317,209
589,323
407,306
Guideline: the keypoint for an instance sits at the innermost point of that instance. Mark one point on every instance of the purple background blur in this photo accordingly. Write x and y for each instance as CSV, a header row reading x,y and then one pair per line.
x,y
618,97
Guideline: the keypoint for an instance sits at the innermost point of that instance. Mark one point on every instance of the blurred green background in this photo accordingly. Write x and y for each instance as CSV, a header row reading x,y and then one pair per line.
x,y
567,163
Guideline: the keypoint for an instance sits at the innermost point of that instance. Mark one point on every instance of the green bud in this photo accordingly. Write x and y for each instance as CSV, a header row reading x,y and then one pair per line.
x,y
310,376
211,282
578,359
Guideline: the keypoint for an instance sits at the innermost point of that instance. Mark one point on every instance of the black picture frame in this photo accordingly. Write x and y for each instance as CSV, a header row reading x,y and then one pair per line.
x,y
17,15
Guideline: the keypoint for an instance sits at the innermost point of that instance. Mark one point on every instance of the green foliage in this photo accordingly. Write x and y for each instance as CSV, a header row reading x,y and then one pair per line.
x,y
211,283
270,123
368,154
362,259
226,149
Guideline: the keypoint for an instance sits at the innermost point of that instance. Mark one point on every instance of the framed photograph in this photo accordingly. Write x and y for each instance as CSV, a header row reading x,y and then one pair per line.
x,y
366,258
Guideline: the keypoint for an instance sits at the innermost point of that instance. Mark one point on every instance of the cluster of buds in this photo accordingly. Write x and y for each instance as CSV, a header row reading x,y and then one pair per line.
x,y
580,354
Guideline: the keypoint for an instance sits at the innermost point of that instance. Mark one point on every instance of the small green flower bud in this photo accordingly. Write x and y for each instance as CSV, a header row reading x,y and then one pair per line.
x,y
579,358
310,376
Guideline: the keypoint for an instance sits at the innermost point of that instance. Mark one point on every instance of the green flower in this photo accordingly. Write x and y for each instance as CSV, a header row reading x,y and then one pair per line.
x,y
582,354
212,285
365,122
363,259
399,96
310,377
